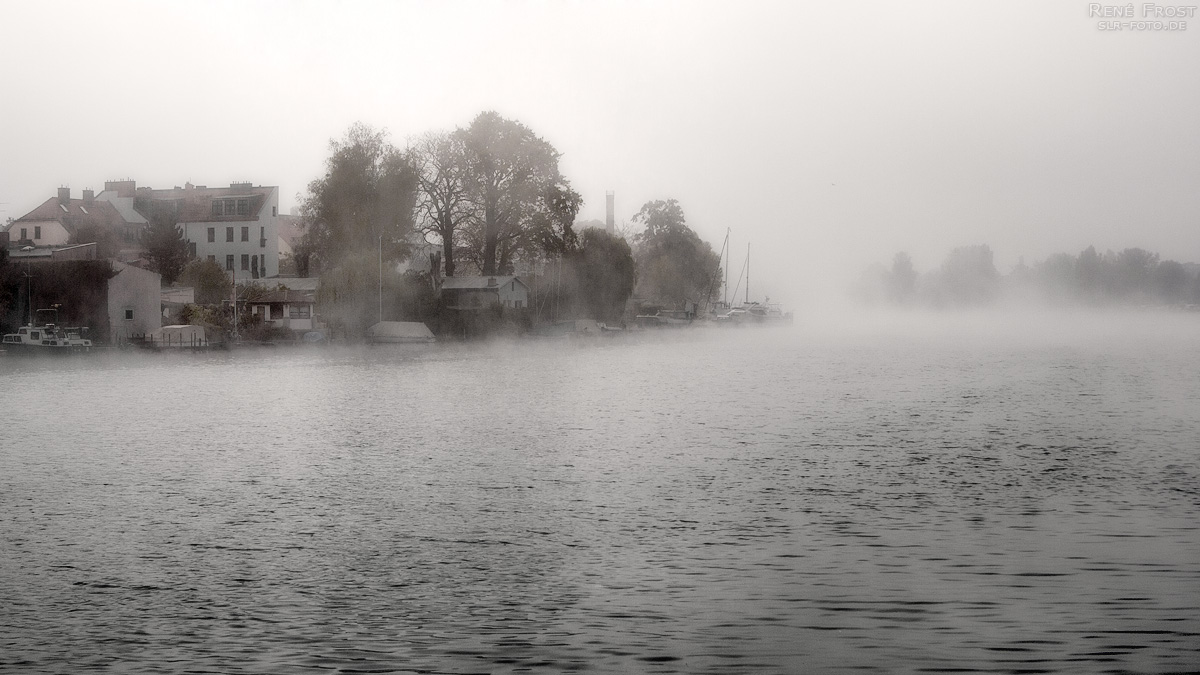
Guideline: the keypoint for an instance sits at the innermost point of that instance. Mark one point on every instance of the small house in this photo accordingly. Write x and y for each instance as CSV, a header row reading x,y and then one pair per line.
x,y
482,292
288,309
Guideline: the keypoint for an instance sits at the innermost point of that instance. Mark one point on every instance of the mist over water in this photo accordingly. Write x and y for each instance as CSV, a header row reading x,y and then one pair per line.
x,y
884,492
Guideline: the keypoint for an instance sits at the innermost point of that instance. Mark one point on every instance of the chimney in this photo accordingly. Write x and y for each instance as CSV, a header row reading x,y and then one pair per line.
x,y
189,186
609,200
491,282
123,188
64,195
88,197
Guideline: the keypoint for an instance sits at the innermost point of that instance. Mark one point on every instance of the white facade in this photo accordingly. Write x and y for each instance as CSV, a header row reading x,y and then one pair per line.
x,y
233,244
134,302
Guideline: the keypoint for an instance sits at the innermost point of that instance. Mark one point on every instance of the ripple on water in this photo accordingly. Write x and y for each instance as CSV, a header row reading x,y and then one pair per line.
x,y
698,504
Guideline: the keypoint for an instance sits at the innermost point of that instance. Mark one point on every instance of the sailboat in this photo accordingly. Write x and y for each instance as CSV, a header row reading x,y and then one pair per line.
x,y
754,312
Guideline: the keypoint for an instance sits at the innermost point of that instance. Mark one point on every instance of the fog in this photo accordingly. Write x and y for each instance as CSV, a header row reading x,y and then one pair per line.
x,y
827,136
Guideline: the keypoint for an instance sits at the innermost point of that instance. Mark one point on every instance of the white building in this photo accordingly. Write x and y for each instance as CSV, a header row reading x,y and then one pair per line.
x,y
134,302
237,226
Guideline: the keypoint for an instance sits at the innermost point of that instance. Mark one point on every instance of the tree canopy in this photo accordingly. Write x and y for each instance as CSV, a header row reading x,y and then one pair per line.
x,y
603,271
520,201
165,246
674,266
209,282
365,200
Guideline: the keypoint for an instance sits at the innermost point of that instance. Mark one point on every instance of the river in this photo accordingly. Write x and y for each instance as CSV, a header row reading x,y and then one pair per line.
x,y
1015,494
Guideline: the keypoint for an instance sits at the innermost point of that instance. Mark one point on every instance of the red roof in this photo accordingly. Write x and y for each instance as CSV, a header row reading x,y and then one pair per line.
x,y
75,213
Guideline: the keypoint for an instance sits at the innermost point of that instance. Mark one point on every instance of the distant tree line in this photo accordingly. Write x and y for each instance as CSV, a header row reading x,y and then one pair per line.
x,y
968,277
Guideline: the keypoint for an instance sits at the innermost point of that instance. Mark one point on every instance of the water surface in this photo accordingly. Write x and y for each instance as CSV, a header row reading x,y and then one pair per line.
x,y
945,497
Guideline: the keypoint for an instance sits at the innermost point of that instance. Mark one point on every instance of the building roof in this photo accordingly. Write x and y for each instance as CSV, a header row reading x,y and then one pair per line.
x,y
72,214
55,253
190,203
284,296
478,283
291,283
290,229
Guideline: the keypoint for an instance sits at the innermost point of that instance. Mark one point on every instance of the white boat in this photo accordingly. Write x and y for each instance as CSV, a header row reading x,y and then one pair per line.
x,y
753,312
46,339
400,332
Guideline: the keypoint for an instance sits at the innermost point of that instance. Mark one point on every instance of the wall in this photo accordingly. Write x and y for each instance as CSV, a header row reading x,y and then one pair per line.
x,y
510,296
139,290
53,233
266,226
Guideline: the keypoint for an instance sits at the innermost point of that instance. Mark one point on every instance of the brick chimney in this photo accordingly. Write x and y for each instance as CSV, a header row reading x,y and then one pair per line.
x,y
64,195
123,188
88,197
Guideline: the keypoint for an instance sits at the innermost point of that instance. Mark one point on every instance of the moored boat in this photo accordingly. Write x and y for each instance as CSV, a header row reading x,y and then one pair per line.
x,y
46,339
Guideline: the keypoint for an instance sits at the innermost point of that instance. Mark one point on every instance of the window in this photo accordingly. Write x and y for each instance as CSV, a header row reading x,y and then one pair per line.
x,y
299,311
245,234
218,207
245,262
35,335
229,262
274,210
229,234
212,258
24,233
212,234
192,248
129,315
243,207
37,231
262,265
276,312
517,304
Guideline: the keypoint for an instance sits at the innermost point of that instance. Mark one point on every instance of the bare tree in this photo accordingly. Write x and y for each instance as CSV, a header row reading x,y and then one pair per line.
x,y
443,203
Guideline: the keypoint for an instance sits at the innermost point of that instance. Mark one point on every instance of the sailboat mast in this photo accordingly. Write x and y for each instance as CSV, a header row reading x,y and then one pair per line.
x,y
747,272
725,250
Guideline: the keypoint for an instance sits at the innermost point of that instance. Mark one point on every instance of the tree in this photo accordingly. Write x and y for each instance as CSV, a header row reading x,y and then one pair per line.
x,y
365,201
352,293
1171,281
969,276
512,177
108,245
604,274
1134,269
1056,277
1089,274
443,203
902,280
165,246
210,283
674,266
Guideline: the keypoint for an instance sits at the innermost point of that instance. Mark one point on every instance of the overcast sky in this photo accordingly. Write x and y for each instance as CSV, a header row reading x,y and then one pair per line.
x,y
828,135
